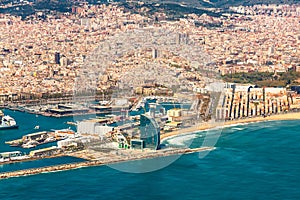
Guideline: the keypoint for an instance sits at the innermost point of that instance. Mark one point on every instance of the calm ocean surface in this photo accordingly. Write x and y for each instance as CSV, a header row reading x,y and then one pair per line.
x,y
253,161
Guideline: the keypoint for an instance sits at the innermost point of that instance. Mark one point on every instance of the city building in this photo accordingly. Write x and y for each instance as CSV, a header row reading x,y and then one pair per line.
x,y
57,58
149,132
174,114
137,144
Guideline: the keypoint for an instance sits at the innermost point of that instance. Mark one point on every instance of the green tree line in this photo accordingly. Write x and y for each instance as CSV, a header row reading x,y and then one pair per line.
x,y
264,79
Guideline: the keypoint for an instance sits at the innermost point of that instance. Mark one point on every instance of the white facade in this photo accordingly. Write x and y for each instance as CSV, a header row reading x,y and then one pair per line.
x,y
102,130
93,128
86,127
275,90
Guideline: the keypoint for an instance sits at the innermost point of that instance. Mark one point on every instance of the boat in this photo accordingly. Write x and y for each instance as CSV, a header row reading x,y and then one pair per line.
x,y
30,144
12,156
7,122
37,127
71,123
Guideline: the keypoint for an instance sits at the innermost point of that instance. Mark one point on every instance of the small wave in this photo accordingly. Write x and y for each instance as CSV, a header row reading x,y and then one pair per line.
x,y
238,129
182,139
235,125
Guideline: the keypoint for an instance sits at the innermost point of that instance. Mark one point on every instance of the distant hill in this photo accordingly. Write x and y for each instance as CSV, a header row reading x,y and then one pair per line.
x,y
58,5
228,3
216,3
173,8
24,10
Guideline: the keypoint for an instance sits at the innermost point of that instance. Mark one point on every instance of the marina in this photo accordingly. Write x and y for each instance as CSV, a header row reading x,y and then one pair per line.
x,y
11,157
104,141
68,112
73,108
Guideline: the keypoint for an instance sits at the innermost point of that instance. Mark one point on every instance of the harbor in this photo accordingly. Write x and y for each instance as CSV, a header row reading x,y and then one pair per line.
x,y
69,107
110,139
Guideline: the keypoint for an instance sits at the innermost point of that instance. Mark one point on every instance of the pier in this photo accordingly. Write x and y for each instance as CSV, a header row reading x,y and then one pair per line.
x,y
98,162
38,138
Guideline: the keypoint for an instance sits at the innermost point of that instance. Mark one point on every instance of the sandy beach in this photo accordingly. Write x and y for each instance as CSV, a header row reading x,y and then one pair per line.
x,y
208,125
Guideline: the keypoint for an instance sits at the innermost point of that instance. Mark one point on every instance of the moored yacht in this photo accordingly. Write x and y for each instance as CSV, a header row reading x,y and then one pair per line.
x,y
7,122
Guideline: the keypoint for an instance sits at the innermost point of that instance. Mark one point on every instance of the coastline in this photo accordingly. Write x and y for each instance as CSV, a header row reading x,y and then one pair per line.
x,y
208,126
95,162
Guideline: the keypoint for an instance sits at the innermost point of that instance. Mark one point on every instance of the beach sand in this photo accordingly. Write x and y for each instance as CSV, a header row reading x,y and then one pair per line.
x,y
208,125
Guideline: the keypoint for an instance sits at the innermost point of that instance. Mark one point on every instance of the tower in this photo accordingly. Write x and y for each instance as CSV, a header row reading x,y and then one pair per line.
x,y
154,53
57,58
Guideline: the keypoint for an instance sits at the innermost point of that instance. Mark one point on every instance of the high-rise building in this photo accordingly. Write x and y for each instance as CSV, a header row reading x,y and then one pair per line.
x,y
154,53
64,61
271,50
149,131
182,38
57,58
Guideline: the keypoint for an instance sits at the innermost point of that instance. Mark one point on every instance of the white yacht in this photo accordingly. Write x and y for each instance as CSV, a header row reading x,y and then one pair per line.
x,y
7,122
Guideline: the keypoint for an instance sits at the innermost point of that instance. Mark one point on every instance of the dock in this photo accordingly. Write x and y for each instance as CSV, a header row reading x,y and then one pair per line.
x,y
38,138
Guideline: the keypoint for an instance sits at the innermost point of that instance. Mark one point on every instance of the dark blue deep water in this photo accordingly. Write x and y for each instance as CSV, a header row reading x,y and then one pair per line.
x,y
253,161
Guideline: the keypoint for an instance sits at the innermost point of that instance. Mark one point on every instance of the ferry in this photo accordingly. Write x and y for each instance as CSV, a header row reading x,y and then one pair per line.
x,y
7,122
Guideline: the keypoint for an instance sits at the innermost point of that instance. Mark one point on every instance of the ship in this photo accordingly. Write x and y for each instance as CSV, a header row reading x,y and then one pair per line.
x,y
7,122
12,156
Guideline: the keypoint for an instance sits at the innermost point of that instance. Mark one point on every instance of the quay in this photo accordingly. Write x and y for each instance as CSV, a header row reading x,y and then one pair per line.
x,y
99,162
28,158
43,137
58,113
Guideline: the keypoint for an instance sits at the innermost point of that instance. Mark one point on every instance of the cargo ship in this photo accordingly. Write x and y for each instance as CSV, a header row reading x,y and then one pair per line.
x,y
7,122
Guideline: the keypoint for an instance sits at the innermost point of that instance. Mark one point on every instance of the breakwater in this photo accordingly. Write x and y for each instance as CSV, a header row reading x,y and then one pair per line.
x,y
92,163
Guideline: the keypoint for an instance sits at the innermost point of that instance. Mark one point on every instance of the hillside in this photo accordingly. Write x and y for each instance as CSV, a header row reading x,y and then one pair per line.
x,y
173,8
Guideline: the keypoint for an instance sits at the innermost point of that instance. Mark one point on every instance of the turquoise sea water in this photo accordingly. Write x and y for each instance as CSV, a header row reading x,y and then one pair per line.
x,y
253,161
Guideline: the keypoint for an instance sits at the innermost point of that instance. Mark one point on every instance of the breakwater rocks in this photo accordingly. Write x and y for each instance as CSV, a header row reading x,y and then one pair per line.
x,y
48,169
63,167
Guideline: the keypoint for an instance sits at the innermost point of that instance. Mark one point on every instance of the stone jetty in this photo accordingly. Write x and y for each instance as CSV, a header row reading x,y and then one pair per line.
x,y
90,163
